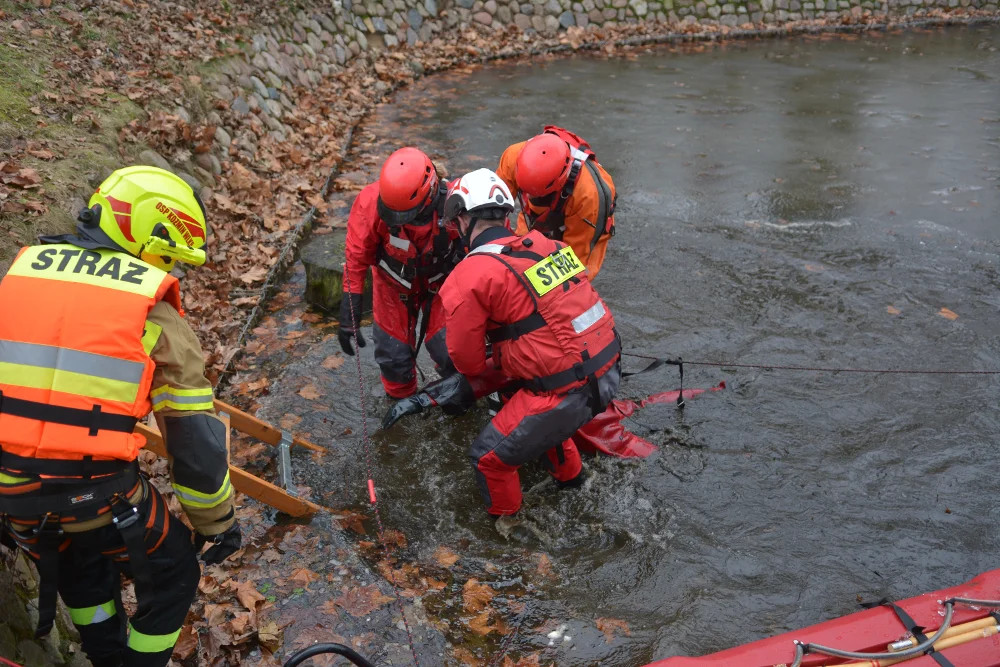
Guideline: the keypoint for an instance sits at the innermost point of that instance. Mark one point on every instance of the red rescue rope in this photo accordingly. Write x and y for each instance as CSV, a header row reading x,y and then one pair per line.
x,y
5,661
371,478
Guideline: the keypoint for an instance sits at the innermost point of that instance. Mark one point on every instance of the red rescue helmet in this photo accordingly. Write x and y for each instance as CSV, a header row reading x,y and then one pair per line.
x,y
407,187
543,165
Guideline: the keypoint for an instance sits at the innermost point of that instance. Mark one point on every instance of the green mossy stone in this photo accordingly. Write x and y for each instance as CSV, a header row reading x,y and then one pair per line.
x,y
323,258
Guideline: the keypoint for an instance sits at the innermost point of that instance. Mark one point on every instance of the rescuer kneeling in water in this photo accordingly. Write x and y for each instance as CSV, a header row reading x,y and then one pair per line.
x,y
564,192
395,227
91,339
551,335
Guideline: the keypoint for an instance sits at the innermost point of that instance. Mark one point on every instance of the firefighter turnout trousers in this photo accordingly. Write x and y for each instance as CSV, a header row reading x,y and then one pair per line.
x,y
89,564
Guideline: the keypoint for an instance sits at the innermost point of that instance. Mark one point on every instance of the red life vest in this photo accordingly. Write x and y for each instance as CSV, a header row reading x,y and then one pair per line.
x,y
575,141
75,370
400,260
571,328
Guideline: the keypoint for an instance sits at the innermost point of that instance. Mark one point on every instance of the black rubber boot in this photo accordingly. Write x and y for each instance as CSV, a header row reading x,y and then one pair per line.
x,y
573,483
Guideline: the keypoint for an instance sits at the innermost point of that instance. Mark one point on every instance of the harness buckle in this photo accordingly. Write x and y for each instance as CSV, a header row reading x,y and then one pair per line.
x,y
46,529
123,520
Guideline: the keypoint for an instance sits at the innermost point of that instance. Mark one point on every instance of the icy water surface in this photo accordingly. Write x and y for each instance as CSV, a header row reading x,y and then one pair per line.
x,y
804,202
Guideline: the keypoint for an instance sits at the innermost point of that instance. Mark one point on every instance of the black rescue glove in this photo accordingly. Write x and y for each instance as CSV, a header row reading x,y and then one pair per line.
x,y
224,544
411,405
454,394
350,322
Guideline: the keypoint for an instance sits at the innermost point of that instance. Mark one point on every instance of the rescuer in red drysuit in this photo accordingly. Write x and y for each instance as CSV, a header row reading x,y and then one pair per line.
x,y
529,296
395,227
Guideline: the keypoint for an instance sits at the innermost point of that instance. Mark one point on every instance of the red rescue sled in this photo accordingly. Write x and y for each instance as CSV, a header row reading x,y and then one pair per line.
x,y
872,630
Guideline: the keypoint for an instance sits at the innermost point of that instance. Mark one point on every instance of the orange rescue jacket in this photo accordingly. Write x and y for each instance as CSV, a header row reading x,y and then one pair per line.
x,y
589,211
75,371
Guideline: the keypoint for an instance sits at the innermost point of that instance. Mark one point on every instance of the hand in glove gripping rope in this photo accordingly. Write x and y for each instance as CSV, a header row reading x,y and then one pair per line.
x,y
223,546
454,394
350,322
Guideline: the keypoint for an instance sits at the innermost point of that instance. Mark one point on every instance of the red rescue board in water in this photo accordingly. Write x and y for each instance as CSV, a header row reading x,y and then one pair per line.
x,y
871,631
605,432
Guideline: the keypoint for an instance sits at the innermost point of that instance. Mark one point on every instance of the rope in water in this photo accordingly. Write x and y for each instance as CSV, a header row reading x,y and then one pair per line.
x,y
770,367
371,478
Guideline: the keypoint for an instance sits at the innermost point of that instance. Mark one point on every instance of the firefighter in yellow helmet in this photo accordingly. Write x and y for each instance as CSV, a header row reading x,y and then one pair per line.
x,y
92,339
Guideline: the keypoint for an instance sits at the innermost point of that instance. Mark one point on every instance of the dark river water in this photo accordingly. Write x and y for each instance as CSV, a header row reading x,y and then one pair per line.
x,y
804,202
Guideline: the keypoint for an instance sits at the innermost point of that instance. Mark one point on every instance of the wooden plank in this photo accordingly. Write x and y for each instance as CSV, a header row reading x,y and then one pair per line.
x,y
259,429
269,494
242,481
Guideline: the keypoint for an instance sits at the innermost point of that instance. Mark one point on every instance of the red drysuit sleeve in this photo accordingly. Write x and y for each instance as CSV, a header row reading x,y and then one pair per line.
x,y
465,298
363,238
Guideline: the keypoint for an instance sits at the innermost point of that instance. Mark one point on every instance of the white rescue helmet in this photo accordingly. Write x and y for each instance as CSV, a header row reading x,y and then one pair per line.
x,y
481,193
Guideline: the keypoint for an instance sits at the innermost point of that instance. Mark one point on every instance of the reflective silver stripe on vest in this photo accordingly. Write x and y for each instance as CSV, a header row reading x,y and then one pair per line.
x,y
589,318
395,276
494,248
73,361
397,242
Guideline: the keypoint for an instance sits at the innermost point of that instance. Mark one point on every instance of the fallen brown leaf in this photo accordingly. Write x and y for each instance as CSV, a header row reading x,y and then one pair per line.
x,y
310,392
247,594
187,643
394,537
362,600
544,566
892,310
948,314
609,625
481,624
475,595
303,576
270,636
254,274
290,421
333,362
445,556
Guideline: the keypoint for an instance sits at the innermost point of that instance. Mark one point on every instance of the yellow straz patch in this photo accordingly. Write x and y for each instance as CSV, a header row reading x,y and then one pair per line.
x,y
554,270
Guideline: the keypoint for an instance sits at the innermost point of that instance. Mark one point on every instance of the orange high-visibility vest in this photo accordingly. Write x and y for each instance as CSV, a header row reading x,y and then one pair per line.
x,y
75,369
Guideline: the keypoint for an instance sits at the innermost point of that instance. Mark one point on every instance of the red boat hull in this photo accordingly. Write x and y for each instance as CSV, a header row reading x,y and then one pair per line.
x,y
871,631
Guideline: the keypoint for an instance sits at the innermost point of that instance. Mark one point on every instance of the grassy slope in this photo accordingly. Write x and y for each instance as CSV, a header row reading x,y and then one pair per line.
x,y
83,152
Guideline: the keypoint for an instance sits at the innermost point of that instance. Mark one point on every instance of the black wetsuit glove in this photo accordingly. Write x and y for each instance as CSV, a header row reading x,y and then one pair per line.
x,y
411,405
350,322
454,394
224,544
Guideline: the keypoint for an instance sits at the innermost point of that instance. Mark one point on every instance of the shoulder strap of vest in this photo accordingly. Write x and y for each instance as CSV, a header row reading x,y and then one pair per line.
x,y
605,204
579,159
517,274
532,322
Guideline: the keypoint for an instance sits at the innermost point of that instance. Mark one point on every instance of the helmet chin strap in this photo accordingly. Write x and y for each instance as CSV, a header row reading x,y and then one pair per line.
x,y
467,234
